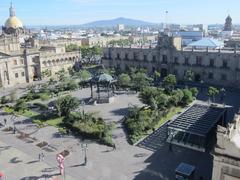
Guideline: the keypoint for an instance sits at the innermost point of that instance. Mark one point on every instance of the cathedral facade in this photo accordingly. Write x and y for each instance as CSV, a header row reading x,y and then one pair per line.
x,y
25,65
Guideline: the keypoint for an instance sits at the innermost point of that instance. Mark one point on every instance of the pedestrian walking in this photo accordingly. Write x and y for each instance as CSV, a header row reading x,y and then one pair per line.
x,y
39,157
5,121
114,147
1,176
42,156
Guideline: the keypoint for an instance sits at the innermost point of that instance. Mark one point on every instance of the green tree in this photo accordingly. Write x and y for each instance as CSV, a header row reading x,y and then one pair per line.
x,y
156,77
162,101
46,73
189,74
169,82
194,91
212,92
20,105
176,97
61,75
149,95
71,85
4,100
84,75
140,80
66,104
72,47
89,52
188,97
124,80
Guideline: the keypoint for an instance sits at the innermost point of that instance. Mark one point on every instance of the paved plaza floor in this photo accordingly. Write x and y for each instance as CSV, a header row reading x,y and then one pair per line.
x,y
151,159
103,163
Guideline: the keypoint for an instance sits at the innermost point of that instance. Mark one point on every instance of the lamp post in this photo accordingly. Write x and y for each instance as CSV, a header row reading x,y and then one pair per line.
x,y
202,85
84,147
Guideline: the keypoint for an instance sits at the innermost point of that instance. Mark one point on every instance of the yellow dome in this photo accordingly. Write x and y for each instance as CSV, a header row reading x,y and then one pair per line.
x,y
13,22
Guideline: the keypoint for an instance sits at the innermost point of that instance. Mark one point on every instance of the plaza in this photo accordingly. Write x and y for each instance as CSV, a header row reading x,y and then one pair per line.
x,y
126,162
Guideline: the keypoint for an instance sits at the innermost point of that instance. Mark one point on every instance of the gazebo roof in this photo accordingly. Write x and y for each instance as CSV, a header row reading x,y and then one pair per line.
x,y
104,78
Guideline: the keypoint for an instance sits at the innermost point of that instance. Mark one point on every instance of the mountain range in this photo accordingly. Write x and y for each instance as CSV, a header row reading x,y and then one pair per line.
x,y
115,22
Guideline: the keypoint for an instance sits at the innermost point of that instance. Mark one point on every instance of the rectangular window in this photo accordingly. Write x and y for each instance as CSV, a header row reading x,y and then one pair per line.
x,y
211,63
15,62
135,57
23,74
154,59
16,75
225,64
118,56
126,56
210,75
145,57
22,62
186,61
164,59
199,60
176,60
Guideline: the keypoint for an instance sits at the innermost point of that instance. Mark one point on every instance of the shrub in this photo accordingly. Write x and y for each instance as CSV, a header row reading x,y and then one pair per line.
x,y
39,123
21,105
41,106
194,91
4,100
66,104
44,97
187,98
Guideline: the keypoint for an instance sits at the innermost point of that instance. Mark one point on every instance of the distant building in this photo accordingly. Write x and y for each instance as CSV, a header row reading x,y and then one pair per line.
x,y
120,27
228,28
207,43
190,36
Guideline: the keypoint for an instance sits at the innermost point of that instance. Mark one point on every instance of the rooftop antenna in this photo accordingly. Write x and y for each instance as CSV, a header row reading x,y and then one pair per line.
x,y
166,20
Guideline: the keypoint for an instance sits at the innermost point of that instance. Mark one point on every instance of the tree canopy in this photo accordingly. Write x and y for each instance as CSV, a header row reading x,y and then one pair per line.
x,y
66,104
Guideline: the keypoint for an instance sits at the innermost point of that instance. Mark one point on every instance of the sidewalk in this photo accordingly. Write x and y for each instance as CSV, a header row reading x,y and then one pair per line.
x,y
17,165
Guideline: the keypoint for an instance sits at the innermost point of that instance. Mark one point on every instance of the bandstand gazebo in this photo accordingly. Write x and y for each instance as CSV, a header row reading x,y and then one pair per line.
x,y
105,84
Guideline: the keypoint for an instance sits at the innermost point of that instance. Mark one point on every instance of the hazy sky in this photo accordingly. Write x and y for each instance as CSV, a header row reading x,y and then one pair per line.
x,y
59,12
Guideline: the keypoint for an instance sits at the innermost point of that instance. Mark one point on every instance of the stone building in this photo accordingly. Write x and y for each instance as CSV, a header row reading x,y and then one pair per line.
x,y
25,65
217,67
226,164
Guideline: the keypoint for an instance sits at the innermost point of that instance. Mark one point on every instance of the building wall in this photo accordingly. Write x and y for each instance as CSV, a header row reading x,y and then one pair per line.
x,y
9,44
27,67
226,164
18,69
224,72
55,62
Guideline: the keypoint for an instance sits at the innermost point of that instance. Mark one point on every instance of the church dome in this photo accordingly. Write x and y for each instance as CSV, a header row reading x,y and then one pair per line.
x,y
13,22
